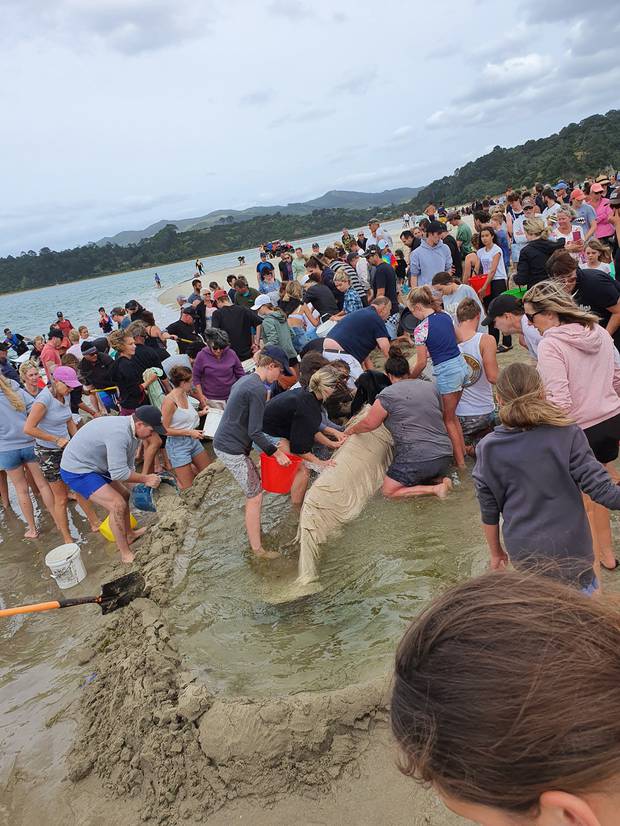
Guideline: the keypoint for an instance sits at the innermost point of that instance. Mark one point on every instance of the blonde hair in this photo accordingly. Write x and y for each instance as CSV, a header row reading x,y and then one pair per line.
x,y
604,252
567,210
549,297
15,400
536,227
38,340
325,379
117,339
341,277
522,401
74,336
294,289
421,295
25,366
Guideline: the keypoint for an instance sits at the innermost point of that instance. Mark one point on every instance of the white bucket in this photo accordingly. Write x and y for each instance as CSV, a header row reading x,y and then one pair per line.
x,y
66,566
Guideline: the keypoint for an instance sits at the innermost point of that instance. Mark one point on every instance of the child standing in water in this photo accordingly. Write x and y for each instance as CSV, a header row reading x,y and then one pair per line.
x,y
435,337
531,471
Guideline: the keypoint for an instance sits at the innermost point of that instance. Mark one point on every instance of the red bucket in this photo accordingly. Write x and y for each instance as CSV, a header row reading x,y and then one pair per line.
x,y
277,478
476,282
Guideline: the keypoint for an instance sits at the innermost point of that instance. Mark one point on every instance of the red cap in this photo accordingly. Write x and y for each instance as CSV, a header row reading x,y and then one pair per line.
x,y
577,193
219,294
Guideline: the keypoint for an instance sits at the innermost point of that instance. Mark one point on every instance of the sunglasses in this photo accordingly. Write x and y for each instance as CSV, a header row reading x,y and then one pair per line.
x,y
532,316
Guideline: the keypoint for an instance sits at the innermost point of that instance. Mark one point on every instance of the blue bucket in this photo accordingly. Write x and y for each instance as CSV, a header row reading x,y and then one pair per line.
x,y
142,498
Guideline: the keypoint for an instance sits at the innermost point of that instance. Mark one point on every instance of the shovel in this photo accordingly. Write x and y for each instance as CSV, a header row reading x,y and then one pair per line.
x,y
114,594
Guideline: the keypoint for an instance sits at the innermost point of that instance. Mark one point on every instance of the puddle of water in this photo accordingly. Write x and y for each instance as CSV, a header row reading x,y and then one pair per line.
x,y
376,577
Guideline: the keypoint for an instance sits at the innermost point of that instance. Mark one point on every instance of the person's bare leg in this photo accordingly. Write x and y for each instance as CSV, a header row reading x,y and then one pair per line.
x,y
453,426
394,490
4,490
602,528
43,487
151,446
132,534
300,485
596,565
59,489
18,478
90,512
202,461
185,476
116,505
252,525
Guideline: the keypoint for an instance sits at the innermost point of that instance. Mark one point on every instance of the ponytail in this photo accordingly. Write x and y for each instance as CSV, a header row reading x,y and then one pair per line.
x,y
522,399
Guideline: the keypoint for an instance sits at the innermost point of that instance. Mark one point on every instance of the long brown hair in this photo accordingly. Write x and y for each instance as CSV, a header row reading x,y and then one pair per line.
x,y
522,401
503,688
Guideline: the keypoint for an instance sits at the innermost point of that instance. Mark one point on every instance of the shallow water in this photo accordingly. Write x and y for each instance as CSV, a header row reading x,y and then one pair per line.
x,y
376,578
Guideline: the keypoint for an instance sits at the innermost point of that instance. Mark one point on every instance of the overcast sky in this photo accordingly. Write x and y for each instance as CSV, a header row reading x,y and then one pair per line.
x,y
117,113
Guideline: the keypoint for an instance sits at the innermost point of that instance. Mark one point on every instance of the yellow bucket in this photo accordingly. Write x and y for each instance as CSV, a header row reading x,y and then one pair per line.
x,y
106,531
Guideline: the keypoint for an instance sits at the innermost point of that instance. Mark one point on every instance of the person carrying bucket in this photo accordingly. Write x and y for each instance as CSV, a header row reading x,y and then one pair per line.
x,y
101,457
241,425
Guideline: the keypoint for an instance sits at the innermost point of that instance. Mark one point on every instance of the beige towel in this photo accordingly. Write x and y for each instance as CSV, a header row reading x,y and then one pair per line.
x,y
340,493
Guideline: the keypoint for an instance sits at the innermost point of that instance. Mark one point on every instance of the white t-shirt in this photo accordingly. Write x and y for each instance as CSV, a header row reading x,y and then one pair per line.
x,y
531,335
486,259
550,211
451,302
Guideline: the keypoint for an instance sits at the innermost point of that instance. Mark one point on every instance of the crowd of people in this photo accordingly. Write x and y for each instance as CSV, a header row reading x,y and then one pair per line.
x,y
412,330
366,334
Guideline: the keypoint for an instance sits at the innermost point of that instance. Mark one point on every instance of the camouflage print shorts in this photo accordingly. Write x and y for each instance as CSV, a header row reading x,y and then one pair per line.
x,y
49,460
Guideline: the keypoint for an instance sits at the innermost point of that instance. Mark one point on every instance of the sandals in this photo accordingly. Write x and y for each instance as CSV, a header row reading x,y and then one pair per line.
x,y
503,349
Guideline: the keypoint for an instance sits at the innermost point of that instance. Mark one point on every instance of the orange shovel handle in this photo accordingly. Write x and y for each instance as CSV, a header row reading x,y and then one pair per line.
x,y
26,609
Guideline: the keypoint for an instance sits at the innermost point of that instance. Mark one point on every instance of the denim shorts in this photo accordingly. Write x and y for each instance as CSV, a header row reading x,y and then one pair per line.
x,y
11,459
450,375
182,449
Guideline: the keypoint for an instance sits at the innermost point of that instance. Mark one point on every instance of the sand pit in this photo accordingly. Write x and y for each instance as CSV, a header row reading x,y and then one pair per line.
x,y
152,731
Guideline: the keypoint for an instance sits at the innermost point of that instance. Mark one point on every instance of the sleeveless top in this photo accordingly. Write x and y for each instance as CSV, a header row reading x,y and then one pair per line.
x,y
477,398
184,418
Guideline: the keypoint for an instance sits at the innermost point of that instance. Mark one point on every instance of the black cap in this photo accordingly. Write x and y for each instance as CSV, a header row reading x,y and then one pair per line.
x,y
54,333
188,308
352,256
435,226
58,314
373,249
151,416
278,354
4,346
500,305
87,348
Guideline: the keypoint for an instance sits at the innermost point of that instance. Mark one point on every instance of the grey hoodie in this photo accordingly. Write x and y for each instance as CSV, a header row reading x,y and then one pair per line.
x,y
534,479
427,261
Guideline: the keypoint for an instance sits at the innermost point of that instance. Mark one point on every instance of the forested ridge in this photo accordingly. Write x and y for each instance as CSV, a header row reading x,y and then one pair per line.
x,y
578,150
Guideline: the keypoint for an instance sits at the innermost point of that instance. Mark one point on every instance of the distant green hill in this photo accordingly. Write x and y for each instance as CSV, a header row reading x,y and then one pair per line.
x,y
578,150
334,199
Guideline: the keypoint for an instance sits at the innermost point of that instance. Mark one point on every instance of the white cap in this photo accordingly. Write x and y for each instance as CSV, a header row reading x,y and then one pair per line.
x,y
382,243
262,301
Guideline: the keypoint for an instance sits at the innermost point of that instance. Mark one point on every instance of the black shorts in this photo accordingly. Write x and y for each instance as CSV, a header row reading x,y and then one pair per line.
x,y
603,438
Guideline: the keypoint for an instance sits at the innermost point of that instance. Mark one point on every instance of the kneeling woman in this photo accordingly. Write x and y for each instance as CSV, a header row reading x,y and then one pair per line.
x,y
435,337
293,419
411,411
187,455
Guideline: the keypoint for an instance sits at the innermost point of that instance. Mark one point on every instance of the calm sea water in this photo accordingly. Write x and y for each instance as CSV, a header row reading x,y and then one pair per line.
x,y
32,312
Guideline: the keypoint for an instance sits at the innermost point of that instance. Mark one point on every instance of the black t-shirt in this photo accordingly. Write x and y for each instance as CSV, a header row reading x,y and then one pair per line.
x,y
147,356
98,374
597,291
294,415
186,336
238,322
457,263
384,278
322,299
128,374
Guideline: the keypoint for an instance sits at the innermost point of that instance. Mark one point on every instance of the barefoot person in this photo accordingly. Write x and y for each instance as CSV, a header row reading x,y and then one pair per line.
x,y
241,425
411,411
185,451
101,456
51,424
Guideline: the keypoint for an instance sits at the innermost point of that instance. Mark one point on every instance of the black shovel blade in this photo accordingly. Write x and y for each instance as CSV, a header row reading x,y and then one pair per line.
x,y
120,592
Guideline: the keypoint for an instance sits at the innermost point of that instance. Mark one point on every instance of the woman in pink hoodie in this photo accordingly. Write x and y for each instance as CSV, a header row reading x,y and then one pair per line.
x,y
581,373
